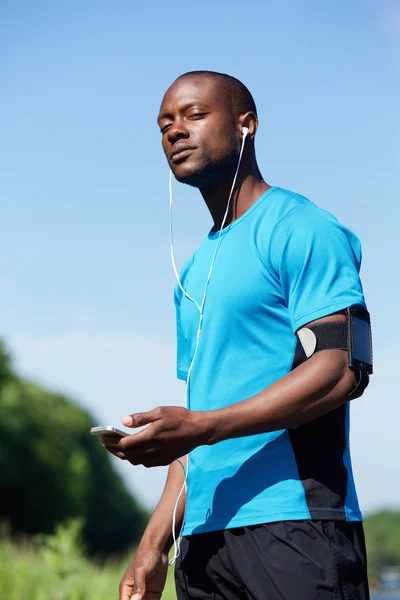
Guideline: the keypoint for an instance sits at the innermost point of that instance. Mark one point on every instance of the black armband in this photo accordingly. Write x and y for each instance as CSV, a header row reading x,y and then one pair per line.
x,y
353,336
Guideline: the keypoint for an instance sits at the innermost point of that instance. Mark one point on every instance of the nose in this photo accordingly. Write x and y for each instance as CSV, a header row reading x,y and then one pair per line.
x,y
177,131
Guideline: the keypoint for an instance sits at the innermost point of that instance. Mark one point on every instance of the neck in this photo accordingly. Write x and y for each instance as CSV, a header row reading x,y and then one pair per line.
x,y
249,187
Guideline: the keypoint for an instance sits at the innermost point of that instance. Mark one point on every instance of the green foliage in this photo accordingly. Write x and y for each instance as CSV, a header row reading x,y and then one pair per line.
x,y
52,469
59,551
382,534
54,568
5,365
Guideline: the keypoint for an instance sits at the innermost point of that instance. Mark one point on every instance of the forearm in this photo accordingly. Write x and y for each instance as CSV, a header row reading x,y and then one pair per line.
x,y
158,532
314,388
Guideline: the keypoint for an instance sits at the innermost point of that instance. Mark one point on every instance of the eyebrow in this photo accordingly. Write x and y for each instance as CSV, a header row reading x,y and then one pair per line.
x,y
167,115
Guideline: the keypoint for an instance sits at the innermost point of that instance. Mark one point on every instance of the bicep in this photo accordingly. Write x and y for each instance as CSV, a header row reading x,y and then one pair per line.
x,y
333,363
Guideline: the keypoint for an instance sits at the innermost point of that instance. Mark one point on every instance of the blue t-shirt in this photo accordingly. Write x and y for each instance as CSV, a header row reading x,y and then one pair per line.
x,y
282,264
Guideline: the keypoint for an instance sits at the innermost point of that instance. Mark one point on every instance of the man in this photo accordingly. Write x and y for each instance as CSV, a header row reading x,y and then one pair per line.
x,y
271,507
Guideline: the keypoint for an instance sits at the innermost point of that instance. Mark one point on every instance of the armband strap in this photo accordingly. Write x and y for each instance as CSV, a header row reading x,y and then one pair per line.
x,y
363,381
331,335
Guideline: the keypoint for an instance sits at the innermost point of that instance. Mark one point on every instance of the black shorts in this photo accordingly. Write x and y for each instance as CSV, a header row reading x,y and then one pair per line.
x,y
289,560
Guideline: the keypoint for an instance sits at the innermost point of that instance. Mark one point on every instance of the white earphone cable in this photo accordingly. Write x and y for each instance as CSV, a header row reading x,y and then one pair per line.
x,y
177,547
199,328
172,245
222,226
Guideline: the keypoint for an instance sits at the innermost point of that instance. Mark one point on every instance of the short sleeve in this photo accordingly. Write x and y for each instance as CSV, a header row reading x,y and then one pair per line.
x,y
317,261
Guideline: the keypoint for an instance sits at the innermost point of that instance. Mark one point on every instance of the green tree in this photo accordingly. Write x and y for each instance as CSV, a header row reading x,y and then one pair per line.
x,y
52,469
382,534
6,373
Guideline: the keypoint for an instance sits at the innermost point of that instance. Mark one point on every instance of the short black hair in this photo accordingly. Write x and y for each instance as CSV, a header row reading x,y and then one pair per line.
x,y
241,99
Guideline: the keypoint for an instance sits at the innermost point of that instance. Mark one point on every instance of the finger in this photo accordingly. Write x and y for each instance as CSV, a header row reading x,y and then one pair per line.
x,y
119,455
139,586
110,442
131,445
126,589
116,453
140,419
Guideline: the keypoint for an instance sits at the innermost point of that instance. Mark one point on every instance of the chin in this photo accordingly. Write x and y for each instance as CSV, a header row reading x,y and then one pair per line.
x,y
199,176
206,174
190,175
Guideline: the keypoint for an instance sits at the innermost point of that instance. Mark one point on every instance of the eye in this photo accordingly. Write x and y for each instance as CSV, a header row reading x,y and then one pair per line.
x,y
197,115
165,128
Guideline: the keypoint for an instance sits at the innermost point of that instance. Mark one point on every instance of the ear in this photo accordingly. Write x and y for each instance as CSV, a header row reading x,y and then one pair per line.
x,y
250,121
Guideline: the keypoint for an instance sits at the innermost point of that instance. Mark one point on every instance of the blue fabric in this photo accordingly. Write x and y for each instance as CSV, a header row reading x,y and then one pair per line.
x,y
284,263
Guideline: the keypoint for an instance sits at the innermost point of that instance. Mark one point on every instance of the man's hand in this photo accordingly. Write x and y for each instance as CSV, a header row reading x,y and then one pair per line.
x,y
145,576
171,432
314,388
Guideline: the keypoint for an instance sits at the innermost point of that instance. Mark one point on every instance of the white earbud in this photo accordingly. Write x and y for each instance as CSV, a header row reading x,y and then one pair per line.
x,y
245,131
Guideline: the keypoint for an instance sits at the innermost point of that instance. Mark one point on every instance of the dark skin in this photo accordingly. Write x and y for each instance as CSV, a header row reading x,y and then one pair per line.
x,y
201,138
195,114
198,124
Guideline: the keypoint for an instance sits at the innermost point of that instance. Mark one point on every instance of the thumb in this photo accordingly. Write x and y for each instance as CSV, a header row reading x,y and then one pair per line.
x,y
139,587
140,419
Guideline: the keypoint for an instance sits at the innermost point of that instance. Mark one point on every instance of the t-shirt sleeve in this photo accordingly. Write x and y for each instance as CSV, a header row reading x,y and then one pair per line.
x,y
317,261
182,363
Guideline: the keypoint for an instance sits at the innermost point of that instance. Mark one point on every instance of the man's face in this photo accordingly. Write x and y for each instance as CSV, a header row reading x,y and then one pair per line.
x,y
200,134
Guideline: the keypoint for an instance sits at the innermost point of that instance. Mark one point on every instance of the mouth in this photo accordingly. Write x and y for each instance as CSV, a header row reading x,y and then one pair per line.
x,y
180,153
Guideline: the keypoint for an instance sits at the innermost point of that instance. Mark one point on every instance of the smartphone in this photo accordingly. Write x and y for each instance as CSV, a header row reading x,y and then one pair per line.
x,y
108,430
359,339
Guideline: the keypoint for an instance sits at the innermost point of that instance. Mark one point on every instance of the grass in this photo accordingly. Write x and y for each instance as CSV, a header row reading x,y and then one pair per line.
x,y
54,568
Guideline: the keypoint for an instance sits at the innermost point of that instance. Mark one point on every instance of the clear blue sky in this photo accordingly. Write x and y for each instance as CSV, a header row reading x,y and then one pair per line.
x,y
85,280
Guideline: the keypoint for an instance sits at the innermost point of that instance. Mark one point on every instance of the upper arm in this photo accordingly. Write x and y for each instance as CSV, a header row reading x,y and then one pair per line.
x,y
336,361
318,261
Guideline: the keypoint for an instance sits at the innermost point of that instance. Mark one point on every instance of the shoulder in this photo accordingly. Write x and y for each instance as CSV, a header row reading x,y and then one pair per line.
x,y
303,220
277,204
287,210
301,233
291,207
282,201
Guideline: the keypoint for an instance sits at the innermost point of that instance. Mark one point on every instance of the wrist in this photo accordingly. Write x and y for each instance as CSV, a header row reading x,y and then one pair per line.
x,y
156,541
207,427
